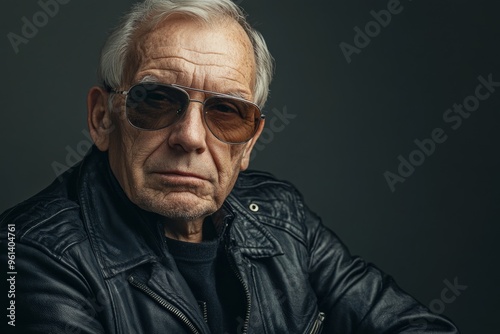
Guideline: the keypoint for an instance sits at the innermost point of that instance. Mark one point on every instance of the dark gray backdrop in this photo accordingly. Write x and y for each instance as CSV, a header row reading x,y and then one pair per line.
x,y
339,127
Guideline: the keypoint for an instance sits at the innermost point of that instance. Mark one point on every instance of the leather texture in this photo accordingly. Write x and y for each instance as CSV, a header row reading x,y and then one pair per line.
x,y
90,261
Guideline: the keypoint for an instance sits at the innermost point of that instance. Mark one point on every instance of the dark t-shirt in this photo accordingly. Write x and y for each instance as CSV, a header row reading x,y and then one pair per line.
x,y
206,269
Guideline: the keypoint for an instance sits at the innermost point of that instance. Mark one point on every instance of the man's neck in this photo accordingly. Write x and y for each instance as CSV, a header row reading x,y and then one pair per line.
x,y
191,231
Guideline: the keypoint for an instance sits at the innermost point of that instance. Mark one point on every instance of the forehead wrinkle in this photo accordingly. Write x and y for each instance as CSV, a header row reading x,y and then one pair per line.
x,y
187,60
204,52
175,52
196,63
173,68
171,50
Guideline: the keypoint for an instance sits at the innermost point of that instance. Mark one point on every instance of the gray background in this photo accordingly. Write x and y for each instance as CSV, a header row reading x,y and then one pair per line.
x,y
352,122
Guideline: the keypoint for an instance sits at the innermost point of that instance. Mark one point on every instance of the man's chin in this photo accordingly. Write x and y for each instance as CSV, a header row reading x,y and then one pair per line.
x,y
179,206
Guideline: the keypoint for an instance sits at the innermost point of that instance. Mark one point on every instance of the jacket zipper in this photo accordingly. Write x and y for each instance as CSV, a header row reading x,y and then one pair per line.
x,y
169,307
203,308
245,288
318,323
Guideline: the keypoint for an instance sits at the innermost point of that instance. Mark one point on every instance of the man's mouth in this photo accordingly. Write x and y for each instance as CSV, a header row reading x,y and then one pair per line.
x,y
180,177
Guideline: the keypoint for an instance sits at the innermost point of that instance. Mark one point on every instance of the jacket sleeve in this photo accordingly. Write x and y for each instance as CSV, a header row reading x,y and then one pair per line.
x,y
50,296
357,297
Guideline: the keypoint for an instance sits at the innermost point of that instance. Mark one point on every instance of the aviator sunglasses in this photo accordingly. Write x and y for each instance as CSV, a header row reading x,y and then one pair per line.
x,y
154,106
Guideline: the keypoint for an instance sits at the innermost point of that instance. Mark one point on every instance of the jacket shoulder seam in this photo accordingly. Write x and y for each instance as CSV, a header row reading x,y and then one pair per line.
x,y
47,219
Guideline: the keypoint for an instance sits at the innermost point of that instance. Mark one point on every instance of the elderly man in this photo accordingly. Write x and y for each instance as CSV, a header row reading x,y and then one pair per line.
x,y
160,230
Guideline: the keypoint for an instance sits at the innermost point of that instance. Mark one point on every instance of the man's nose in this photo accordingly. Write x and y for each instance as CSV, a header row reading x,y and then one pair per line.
x,y
189,132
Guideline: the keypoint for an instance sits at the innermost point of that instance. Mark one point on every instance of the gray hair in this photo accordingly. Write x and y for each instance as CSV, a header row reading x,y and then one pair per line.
x,y
115,55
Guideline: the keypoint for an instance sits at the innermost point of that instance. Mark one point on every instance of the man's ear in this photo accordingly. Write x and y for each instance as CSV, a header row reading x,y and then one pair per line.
x,y
245,161
98,117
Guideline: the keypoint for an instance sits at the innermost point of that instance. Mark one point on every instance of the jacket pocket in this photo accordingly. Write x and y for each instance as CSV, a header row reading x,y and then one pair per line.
x,y
317,326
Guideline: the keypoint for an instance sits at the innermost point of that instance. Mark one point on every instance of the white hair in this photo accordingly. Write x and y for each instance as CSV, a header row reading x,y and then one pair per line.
x,y
116,53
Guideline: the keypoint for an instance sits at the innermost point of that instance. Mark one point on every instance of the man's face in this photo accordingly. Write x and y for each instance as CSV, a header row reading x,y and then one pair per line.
x,y
183,172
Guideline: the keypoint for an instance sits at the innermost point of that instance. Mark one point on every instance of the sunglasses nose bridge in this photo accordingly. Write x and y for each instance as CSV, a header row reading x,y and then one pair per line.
x,y
189,101
197,101
186,113
202,105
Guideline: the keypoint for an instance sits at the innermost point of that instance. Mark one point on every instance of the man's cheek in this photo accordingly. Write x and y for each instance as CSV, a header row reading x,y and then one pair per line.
x,y
236,152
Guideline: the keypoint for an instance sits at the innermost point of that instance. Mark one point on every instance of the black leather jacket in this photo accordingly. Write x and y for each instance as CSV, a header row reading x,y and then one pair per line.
x,y
89,261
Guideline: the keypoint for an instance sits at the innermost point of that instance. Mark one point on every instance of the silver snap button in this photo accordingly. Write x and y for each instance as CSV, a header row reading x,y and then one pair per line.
x,y
254,207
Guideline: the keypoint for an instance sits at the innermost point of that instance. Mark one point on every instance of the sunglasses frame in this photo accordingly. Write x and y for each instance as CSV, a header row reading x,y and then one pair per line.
x,y
185,90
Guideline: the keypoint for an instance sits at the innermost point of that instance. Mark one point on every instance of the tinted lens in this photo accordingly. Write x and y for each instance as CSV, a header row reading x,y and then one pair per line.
x,y
153,107
230,119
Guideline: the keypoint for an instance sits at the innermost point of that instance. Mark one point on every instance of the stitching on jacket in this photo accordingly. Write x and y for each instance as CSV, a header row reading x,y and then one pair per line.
x,y
47,219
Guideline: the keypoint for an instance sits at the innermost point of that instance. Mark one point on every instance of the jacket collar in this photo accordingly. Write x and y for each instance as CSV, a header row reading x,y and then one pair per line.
x,y
124,236
251,237
120,233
